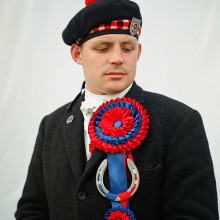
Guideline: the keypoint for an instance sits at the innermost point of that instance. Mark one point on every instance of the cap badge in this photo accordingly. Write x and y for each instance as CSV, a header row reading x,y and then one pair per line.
x,y
135,24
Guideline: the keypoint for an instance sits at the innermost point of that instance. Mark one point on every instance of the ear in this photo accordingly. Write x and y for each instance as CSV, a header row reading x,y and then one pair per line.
x,y
76,53
139,50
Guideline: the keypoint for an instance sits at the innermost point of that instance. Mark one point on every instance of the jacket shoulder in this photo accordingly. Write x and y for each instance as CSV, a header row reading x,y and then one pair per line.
x,y
164,104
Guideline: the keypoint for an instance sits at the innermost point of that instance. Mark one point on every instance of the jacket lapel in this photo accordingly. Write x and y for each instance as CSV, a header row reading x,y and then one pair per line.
x,y
74,139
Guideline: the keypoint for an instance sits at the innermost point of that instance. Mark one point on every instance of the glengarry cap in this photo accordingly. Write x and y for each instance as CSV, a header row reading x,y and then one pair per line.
x,y
103,17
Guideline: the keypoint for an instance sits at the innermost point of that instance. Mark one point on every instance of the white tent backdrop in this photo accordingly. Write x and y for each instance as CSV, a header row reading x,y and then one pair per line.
x,y
180,59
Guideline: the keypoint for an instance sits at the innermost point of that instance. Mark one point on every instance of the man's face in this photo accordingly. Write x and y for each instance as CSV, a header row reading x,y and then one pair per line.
x,y
109,62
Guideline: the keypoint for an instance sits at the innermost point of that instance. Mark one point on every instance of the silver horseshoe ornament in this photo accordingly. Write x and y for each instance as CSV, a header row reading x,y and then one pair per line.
x,y
123,195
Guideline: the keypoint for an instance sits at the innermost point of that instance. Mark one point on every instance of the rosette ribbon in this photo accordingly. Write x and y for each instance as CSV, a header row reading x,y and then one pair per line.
x,y
117,127
119,213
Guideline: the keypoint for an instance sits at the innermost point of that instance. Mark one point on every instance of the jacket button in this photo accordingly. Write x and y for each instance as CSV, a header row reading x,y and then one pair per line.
x,y
81,195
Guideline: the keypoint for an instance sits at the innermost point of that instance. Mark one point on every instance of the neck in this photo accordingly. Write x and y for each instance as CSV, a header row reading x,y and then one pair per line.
x,y
104,98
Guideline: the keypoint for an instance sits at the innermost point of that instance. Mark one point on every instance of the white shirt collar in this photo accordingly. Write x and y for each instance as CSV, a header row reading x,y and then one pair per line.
x,y
93,101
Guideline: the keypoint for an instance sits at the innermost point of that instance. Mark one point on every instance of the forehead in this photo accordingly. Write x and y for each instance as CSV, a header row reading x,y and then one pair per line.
x,y
111,39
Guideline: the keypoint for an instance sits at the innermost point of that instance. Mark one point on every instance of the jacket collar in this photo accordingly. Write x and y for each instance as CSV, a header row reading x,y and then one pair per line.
x,y
136,93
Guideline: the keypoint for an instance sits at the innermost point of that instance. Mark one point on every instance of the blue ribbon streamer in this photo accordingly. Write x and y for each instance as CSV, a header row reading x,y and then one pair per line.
x,y
117,174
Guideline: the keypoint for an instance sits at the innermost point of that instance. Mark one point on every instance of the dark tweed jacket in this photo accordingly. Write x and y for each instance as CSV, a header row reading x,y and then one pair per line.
x,y
174,162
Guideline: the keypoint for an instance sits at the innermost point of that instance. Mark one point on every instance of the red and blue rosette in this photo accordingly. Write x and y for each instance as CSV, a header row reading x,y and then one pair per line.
x,y
119,213
118,126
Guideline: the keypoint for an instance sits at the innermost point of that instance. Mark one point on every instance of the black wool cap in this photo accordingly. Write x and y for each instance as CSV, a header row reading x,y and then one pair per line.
x,y
86,23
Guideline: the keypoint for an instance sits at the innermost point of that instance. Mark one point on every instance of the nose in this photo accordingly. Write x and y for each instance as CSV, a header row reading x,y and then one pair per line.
x,y
116,56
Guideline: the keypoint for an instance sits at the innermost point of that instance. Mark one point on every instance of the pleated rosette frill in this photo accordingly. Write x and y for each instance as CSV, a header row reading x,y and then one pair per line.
x,y
119,213
118,126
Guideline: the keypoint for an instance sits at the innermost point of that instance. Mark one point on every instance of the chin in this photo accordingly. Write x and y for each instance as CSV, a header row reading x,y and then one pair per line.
x,y
115,89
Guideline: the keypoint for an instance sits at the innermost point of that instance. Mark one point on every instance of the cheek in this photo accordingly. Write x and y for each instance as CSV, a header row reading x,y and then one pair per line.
x,y
95,65
132,63
90,71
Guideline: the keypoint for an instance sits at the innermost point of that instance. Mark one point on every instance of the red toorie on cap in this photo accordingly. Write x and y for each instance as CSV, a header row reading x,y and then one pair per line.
x,y
87,2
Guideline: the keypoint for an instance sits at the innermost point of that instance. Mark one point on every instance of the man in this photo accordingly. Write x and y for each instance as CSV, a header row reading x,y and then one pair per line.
x,y
169,159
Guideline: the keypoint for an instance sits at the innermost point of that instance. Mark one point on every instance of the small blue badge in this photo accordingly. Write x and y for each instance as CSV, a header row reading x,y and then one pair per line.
x,y
70,119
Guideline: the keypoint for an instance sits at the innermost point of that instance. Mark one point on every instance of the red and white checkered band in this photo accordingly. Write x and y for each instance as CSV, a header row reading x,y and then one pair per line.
x,y
122,24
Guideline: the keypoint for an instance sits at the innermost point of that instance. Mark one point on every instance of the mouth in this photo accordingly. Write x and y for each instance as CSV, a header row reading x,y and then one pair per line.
x,y
115,73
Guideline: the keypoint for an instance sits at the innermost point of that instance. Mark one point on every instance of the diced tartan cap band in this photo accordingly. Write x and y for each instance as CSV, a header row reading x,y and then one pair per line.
x,y
103,17
122,24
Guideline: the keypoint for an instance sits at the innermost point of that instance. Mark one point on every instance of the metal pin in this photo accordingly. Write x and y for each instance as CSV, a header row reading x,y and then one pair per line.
x,y
69,119
89,111
135,24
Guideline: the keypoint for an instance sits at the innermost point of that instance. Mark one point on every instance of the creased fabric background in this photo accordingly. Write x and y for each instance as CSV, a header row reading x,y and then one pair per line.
x,y
180,59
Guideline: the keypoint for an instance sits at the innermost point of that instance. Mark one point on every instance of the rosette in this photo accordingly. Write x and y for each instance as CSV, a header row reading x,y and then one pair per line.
x,y
119,213
118,126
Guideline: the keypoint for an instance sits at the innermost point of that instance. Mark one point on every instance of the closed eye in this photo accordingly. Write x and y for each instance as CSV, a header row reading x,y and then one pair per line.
x,y
102,49
127,49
